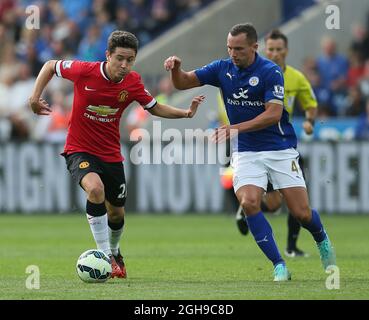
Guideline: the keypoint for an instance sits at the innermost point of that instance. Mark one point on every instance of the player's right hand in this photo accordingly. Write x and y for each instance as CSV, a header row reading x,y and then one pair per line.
x,y
40,107
172,62
308,127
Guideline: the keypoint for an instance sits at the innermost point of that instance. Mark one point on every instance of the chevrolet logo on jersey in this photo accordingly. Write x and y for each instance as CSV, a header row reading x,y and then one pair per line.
x,y
103,111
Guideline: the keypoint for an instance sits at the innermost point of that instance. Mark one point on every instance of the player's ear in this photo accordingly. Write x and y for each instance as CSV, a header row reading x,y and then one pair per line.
x,y
107,55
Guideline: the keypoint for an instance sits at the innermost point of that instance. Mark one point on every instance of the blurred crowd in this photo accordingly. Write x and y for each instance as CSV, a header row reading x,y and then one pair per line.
x,y
341,81
73,29
70,29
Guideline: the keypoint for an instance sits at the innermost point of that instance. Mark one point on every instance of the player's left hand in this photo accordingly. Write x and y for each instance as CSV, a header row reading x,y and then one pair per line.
x,y
308,127
196,101
224,133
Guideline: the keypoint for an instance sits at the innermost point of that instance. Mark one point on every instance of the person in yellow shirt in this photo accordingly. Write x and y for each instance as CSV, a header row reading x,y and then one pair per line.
x,y
296,87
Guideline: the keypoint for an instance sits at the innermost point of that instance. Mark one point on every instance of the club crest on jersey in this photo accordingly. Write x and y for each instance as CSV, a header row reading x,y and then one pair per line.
x,y
84,165
254,81
122,96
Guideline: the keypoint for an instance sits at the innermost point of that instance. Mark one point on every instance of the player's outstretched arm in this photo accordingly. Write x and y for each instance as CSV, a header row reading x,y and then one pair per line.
x,y
40,106
166,111
181,79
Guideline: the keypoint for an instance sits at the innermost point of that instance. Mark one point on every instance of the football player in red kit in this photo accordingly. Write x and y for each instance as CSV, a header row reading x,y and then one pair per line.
x,y
102,91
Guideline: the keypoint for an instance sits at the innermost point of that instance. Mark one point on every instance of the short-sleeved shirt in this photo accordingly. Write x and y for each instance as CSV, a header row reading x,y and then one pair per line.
x,y
297,87
245,92
98,106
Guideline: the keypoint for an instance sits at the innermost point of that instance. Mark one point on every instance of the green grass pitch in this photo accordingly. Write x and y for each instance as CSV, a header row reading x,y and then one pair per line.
x,y
178,257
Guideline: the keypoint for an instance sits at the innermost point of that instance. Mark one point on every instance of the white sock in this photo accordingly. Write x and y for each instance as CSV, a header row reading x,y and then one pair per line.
x,y
99,229
114,238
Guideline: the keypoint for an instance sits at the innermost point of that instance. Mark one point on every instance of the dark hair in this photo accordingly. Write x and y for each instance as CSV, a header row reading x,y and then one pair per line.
x,y
275,35
246,28
122,39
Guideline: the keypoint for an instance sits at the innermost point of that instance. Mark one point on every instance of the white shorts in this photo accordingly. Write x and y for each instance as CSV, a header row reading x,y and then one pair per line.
x,y
280,167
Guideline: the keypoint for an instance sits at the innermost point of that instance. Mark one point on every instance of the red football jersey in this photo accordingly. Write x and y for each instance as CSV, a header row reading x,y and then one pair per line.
x,y
98,106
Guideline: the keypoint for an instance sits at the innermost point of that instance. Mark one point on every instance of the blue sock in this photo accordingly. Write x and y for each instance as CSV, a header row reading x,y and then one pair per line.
x,y
263,234
315,227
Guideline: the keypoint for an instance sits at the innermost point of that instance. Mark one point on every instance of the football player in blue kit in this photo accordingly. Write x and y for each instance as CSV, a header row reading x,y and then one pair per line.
x,y
252,88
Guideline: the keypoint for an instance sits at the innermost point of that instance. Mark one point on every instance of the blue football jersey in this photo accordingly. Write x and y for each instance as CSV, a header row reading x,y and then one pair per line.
x,y
245,92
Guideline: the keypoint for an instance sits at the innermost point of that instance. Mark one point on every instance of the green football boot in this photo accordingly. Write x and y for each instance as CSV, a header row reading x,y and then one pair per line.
x,y
281,273
327,254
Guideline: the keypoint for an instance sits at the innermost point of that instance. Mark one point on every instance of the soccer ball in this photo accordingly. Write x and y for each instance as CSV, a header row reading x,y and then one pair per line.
x,y
93,266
